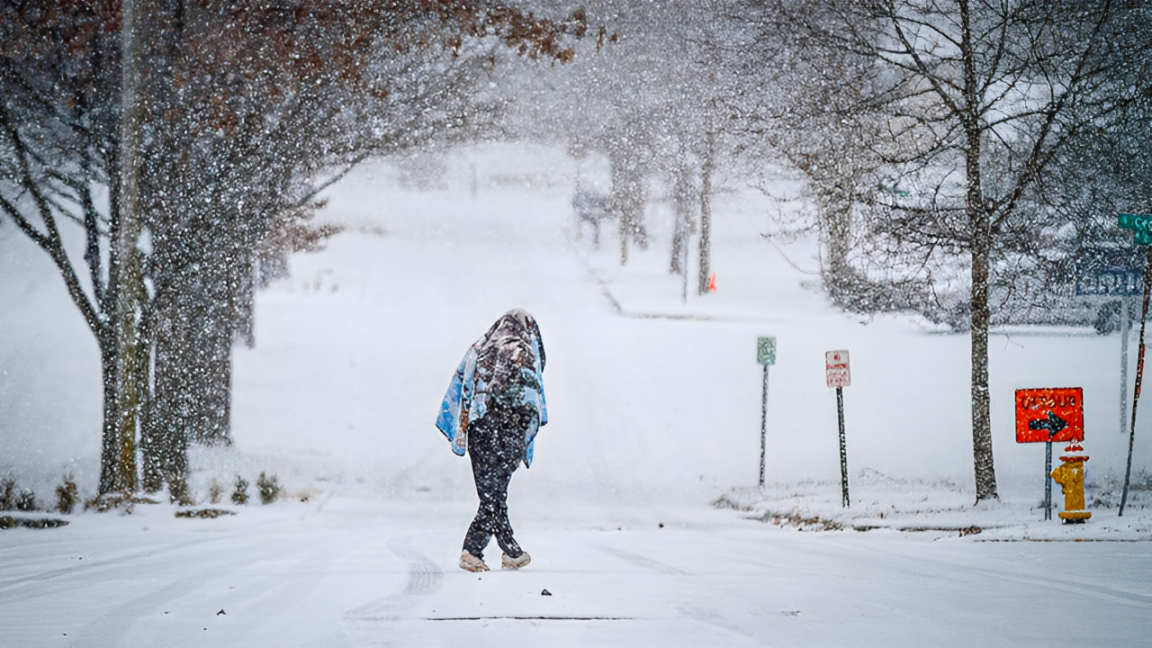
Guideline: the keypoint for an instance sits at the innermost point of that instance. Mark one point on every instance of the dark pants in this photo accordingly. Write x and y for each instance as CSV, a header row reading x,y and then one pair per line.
x,y
496,447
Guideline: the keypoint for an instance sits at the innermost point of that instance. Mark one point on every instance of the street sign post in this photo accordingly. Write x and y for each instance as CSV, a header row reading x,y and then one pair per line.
x,y
766,356
1112,274
1141,226
836,369
837,374
1047,416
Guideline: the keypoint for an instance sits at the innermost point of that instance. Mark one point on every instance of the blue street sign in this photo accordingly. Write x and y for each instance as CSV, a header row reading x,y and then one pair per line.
x,y
1110,282
1109,271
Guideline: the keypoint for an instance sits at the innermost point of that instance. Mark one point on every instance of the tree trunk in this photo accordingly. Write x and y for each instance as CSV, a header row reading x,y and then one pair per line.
x,y
118,457
111,469
837,219
981,404
628,198
213,353
708,164
682,208
245,298
163,435
980,229
163,439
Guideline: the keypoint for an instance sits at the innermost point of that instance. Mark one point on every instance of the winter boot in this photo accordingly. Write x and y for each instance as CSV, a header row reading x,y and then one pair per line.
x,y
472,563
515,563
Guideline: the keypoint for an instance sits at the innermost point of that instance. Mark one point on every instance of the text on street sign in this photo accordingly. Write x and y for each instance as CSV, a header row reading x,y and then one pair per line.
x,y
836,369
766,350
1055,415
1140,224
1118,282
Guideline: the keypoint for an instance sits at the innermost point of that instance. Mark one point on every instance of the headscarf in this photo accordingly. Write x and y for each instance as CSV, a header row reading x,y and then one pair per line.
x,y
510,346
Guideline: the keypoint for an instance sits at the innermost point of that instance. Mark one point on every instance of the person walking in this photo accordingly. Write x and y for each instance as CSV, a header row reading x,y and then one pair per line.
x,y
492,410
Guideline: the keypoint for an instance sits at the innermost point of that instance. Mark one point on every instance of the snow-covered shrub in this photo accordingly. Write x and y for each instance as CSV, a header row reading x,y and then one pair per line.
x,y
67,495
240,494
269,488
26,501
8,493
179,493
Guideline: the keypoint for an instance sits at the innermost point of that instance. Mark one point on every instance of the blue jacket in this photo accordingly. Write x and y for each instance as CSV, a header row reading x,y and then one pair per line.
x,y
465,400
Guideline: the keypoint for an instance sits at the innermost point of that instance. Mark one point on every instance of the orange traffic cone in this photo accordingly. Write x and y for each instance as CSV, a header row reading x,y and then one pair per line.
x,y
712,283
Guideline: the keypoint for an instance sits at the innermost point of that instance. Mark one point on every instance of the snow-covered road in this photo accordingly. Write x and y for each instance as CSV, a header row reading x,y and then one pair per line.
x,y
347,572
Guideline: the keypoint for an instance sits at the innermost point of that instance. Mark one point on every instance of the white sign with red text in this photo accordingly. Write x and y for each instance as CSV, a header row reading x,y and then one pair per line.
x,y
836,369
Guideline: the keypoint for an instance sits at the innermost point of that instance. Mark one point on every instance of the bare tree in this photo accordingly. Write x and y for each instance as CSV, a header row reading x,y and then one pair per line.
x,y
960,108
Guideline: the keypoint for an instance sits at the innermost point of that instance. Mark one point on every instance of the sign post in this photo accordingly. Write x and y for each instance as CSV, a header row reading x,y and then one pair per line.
x,y
838,375
1125,332
1141,226
1139,381
1047,416
1105,274
766,356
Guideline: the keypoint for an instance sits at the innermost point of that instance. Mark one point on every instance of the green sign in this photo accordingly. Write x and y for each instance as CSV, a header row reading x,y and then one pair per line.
x,y
1140,224
766,350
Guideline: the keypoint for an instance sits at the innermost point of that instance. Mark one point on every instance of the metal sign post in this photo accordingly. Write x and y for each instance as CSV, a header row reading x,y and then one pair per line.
x,y
1125,332
1047,416
1141,226
766,356
838,375
1047,480
1106,274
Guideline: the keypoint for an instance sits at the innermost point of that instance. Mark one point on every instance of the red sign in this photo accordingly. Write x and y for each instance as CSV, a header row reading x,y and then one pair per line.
x,y
836,369
1055,415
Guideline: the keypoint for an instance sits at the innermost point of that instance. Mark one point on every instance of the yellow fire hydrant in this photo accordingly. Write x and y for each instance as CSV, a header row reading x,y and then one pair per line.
x,y
1070,476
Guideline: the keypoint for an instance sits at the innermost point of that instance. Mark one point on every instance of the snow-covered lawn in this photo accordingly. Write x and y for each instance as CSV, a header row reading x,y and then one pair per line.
x,y
655,418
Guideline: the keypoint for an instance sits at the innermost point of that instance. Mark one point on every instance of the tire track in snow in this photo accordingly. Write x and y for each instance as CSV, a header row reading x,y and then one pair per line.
x,y
424,577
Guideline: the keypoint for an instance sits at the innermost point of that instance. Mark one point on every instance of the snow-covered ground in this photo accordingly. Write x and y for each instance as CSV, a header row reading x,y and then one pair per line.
x,y
654,404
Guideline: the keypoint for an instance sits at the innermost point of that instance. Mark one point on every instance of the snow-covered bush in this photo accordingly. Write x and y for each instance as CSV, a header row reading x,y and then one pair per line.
x,y
240,494
269,488
67,495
